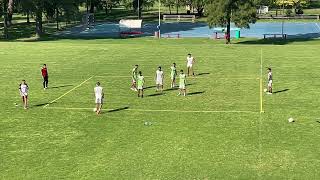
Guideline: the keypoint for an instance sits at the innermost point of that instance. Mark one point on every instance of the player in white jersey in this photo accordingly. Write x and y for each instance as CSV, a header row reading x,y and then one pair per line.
x,y
269,81
182,84
159,79
140,82
173,75
24,89
190,64
99,95
134,76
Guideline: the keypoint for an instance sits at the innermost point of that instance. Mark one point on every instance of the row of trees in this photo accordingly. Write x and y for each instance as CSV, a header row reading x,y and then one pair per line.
x,y
219,12
52,9
297,5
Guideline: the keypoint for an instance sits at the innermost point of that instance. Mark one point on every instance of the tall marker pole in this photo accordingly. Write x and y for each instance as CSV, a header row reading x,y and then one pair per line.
x,y
159,19
138,9
261,86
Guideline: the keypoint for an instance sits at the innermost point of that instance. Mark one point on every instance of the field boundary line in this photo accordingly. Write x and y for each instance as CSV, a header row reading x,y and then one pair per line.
x,y
67,92
158,110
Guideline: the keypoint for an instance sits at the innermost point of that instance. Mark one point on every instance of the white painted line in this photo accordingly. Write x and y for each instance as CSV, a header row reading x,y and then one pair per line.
x,y
156,110
196,77
68,92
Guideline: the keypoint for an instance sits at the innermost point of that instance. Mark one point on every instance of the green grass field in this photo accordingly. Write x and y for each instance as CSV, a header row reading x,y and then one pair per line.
x,y
216,132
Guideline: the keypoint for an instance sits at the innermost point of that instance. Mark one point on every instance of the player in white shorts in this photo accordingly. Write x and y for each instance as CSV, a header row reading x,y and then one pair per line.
x,y
99,95
190,64
269,81
140,82
24,89
134,76
159,79
173,75
182,84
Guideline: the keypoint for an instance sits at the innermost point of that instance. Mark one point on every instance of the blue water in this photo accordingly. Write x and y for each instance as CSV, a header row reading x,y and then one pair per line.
x,y
293,29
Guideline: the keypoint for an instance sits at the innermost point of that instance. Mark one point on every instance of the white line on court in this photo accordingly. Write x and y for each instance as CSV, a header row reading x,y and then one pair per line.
x,y
68,92
156,110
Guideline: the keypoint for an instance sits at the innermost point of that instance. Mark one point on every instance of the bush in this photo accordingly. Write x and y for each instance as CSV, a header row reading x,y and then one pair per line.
x,y
299,11
288,12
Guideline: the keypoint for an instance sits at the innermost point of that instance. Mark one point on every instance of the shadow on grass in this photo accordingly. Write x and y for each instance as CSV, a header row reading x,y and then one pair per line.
x,y
149,87
284,90
201,74
118,109
196,93
41,104
62,86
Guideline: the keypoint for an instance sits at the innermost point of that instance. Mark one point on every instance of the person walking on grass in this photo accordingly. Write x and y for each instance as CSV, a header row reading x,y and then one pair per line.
x,y
159,79
182,84
269,81
23,90
190,64
44,72
173,75
134,76
99,95
140,83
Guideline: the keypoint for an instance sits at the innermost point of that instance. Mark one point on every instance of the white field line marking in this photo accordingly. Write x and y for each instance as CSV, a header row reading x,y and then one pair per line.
x,y
68,92
196,77
156,110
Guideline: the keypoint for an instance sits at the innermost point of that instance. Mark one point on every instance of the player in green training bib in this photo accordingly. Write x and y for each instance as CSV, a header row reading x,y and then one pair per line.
x,y
173,75
134,76
182,84
141,82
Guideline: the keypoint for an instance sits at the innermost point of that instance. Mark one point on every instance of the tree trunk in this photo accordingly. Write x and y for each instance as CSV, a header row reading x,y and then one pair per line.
x,y
39,29
10,12
5,26
5,21
228,31
106,10
177,6
28,17
200,11
57,18
169,9
91,7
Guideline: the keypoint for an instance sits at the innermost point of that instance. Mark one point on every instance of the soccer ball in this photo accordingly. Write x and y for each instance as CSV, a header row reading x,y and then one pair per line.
x,y
265,90
290,120
94,109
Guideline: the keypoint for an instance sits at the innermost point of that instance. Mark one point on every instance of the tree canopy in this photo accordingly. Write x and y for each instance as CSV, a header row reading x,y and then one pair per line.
x,y
223,12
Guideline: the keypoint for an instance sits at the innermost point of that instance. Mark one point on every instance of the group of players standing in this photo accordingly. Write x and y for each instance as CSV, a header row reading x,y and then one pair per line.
x,y
138,80
24,88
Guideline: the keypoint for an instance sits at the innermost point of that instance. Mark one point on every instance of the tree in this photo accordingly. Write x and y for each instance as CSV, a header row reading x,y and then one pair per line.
x,y
169,4
199,5
295,4
223,12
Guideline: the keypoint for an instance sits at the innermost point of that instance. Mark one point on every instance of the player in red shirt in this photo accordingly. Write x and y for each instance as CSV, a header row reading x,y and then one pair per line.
x,y
44,72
